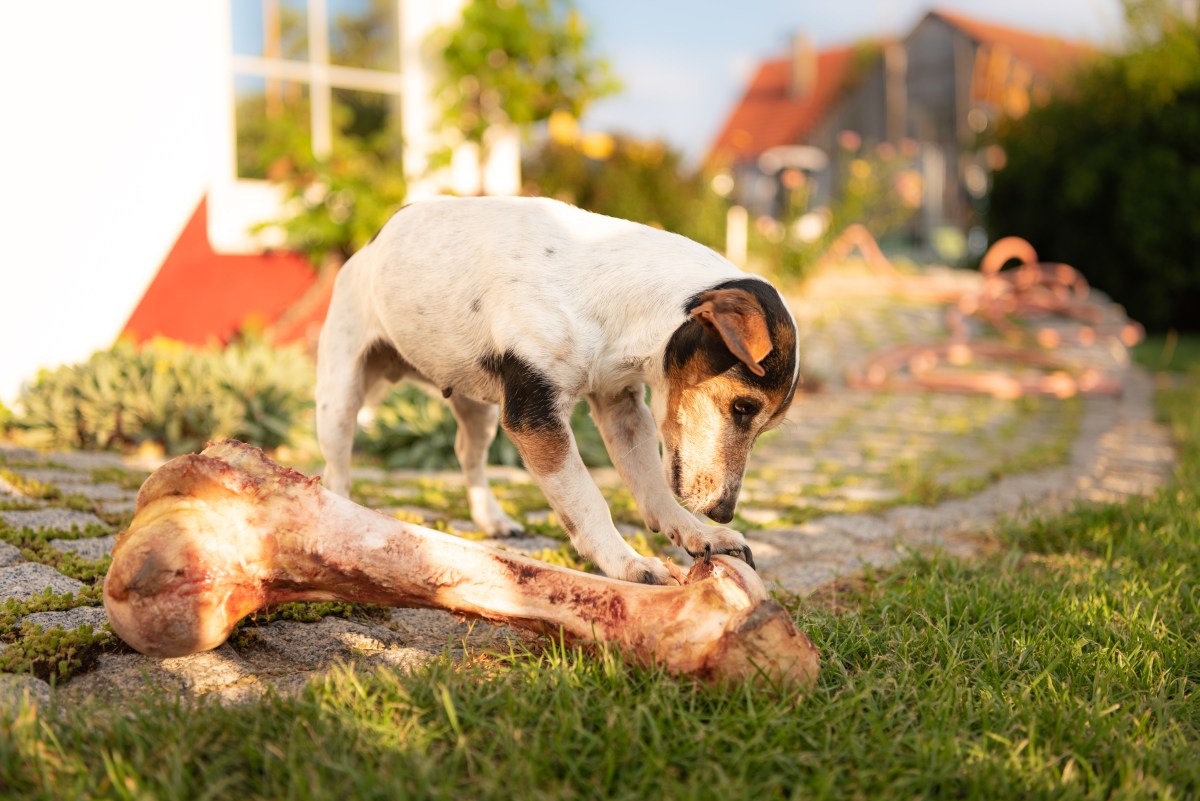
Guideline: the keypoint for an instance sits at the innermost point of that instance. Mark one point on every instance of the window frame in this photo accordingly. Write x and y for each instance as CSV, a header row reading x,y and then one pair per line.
x,y
320,76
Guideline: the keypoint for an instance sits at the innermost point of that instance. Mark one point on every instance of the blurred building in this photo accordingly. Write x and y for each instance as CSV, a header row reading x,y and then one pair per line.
x,y
933,96
137,149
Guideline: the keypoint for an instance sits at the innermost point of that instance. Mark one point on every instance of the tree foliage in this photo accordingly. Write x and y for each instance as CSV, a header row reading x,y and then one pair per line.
x,y
338,203
634,180
1107,177
517,62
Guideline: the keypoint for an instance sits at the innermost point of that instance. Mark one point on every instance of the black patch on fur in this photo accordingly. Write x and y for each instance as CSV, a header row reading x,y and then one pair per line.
x,y
691,338
549,252
530,399
491,363
476,305
779,365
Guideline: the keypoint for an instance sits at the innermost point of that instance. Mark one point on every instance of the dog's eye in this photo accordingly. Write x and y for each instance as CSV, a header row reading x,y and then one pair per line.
x,y
745,408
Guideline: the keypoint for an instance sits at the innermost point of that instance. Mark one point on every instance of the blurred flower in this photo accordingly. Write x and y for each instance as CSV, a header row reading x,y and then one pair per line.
x,y
722,184
314,193
996,157
909,188
792,179
849,140
596,145
771,229
563,128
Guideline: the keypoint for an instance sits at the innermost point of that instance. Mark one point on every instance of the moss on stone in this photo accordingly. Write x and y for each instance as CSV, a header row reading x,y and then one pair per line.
x,y
54,654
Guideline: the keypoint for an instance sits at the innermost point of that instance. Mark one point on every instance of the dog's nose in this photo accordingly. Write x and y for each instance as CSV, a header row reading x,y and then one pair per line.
x,y
722,511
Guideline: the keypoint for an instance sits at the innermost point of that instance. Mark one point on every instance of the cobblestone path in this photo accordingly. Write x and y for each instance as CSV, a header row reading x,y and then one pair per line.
x,y
853,479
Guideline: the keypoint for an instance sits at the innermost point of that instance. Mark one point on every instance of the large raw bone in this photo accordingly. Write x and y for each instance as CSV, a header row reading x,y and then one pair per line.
x,y
226,532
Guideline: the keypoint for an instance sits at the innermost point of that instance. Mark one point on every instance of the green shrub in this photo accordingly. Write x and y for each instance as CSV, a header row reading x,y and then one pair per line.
x,y
170,394
181,397
412,430
640,181
1107,178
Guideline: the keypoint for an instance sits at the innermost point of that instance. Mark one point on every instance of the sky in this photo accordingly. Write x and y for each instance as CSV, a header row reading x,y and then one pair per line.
x,y
685,63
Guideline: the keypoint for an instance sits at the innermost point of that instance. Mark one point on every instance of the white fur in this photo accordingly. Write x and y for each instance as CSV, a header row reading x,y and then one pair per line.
x,y
590,301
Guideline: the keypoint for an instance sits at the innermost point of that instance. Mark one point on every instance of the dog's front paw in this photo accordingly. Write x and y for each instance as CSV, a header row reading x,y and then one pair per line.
x,y
703,541
645,570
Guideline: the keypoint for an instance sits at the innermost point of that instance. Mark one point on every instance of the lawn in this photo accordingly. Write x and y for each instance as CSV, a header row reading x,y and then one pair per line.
x,y
1065,665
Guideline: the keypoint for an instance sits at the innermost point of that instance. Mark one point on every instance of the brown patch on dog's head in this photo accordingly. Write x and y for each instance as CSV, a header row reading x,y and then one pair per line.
x,y
739,320
731,373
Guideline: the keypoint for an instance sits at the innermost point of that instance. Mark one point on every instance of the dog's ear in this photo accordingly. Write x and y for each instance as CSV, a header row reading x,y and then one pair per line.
x,y
737,318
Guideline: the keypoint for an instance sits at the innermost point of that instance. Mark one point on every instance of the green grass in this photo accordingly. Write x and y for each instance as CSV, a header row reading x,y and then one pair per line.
x,y
1065,666
1170,351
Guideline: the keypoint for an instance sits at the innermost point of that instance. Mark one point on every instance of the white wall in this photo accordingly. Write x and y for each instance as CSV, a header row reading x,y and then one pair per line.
x,y
104,153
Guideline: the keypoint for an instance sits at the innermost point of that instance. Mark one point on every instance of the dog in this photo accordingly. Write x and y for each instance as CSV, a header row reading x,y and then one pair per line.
x,y
517,308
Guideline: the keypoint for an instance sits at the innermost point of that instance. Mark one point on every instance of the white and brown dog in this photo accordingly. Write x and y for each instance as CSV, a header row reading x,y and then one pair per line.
x,y
515,308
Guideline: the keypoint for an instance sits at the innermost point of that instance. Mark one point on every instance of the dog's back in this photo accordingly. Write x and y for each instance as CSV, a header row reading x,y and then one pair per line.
x,y
451,280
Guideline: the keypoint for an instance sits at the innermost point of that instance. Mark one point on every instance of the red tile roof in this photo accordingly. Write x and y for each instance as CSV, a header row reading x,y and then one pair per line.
x,y
768,114
201,296
1048,56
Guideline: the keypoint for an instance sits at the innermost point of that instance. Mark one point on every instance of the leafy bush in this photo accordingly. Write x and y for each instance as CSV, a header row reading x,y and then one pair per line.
x,y
412,430
337,204
1108,178
630,179
180,397
515,63
167,393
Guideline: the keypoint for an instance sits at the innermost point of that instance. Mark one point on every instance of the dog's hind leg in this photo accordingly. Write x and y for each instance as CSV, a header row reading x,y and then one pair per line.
x,y
352,356
340,393
477,424
346,377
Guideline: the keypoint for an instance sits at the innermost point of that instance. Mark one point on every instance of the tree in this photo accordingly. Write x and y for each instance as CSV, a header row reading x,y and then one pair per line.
x,y
516,62
1107,177
631,179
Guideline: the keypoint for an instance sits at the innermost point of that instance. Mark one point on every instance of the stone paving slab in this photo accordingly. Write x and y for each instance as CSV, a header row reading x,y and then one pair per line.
x,y
69,619
122,674
91,548
17,690
9,555
97,492
54,475
51,518
27,579
118,507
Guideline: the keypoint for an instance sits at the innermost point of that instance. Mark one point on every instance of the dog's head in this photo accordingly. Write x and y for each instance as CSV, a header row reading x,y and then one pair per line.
x,y
730,373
